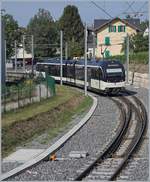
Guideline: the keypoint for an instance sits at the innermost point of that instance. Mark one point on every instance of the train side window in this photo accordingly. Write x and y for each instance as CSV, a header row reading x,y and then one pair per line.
x,y
100,73
95,73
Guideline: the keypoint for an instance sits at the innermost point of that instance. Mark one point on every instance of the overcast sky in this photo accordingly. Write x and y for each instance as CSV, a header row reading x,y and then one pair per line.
x,y
24,10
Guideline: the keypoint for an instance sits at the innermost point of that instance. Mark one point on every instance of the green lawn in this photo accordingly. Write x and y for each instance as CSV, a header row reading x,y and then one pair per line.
x,y
50,115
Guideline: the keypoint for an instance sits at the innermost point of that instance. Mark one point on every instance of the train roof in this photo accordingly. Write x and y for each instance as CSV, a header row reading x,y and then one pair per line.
x,y
101,63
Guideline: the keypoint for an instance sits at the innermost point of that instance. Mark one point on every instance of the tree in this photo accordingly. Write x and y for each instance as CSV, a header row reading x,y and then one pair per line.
x,y
144,25
139,42
42,27
128,16
72,26
11,30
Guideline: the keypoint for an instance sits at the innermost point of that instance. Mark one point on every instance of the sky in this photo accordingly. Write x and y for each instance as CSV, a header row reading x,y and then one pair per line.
x,y
23,10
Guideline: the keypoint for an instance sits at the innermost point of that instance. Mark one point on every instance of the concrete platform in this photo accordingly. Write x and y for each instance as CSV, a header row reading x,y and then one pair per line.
x,y
23,155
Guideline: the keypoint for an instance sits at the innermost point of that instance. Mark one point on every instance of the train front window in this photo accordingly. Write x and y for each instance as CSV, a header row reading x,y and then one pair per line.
x,y
114,72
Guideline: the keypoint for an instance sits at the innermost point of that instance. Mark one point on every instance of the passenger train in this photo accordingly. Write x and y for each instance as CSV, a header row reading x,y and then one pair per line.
x,y
107,76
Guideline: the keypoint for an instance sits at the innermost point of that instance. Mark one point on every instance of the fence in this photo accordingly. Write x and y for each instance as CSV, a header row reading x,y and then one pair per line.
x,y
30,91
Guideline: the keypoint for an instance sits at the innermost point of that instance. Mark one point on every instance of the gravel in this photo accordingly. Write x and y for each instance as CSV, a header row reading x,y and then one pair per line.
x,y
92,138
140,171
7,166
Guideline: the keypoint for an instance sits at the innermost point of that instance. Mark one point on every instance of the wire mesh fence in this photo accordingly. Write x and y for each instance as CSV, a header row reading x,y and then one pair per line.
x,y
27,92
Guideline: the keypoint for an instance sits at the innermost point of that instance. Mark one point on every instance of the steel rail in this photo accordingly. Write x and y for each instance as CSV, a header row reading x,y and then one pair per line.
x,y
113,146
142,117
142,123
115,143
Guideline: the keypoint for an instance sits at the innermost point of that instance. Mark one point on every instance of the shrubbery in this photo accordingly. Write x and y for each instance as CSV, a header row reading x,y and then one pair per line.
x,y
137,58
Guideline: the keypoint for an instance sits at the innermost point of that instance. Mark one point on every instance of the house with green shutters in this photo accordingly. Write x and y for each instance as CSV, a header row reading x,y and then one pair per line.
x,y
110,35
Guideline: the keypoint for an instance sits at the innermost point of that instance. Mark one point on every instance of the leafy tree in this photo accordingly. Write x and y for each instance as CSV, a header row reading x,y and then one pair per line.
x,y
72,26
43,28
144,25
128,16
139,42
11,30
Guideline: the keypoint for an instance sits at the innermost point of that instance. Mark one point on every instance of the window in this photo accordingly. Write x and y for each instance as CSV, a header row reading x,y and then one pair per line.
x,y
121,28
112,28
95,73
107,40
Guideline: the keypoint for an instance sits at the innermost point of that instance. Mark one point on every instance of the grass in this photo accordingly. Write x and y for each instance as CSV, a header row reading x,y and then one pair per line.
x,y
50,116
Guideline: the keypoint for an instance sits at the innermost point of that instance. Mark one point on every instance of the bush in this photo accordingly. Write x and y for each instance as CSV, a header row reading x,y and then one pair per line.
x,y
137,58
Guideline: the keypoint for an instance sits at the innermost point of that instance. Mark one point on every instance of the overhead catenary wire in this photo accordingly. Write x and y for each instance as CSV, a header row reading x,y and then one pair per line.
x,y
130,6
99,7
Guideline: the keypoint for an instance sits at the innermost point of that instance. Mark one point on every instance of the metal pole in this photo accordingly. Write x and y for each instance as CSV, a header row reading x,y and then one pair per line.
x,y
3,67
32,53
15,55
94,41
61,56
5,59
85,63
23,54
66,51
127,57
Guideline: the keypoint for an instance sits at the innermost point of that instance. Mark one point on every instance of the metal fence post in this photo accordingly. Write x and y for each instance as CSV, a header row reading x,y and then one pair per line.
x,y
5,99
94,41
66,51
18,95
15,55
47,84
23,53
32,53
30,92
40,91
85,63
61,56
127,58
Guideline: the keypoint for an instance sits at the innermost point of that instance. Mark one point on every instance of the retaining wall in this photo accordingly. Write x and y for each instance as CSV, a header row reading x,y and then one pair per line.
x,y
139,79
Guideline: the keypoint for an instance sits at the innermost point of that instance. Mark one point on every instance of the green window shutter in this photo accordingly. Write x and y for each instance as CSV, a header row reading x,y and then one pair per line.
x,y
118,28
107,41
96,41
110,28
114,28
124,28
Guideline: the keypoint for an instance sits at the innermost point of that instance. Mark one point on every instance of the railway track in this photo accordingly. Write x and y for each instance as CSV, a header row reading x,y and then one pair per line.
x,y
108,164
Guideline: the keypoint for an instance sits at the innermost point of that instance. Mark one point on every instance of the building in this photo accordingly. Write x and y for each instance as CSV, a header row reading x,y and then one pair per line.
x,y
90,42
110,35
20,55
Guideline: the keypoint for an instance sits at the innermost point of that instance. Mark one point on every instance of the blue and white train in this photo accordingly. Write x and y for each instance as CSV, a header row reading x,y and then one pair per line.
x,y
107,76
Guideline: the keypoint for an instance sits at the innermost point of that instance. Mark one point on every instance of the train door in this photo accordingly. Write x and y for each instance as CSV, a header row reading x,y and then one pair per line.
x,y
65,71
74,72
95,77
100,75
89,76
